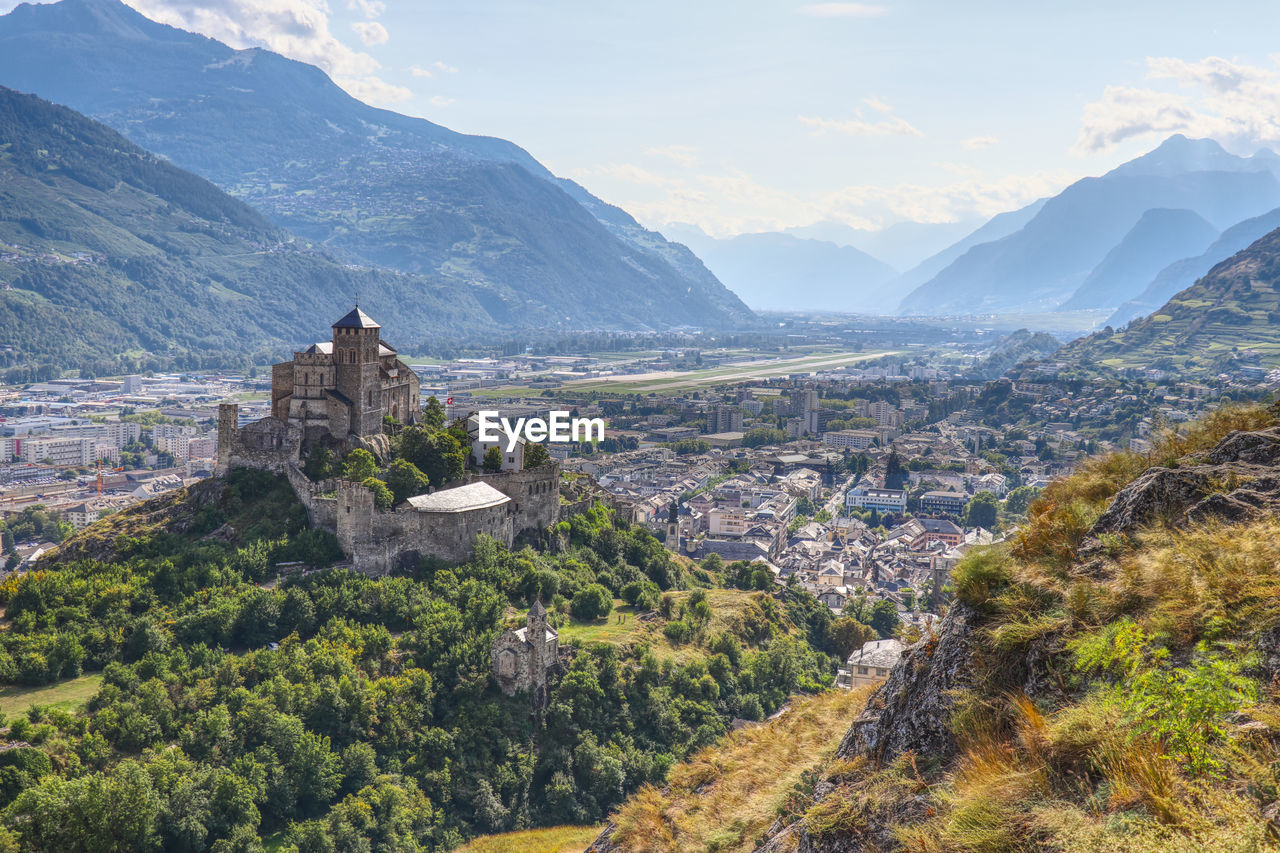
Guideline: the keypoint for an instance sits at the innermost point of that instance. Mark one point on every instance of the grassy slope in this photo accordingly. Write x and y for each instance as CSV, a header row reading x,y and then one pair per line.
x,y
69,695
725,797
1163,732
727,607
555,839
1234,306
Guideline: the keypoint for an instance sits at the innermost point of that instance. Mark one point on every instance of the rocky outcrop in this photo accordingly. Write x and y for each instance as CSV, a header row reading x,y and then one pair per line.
x,y
910,710
1237,481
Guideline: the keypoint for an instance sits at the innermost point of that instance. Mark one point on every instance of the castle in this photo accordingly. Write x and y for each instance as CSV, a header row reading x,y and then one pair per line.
x,y
336,395
345,386
522,657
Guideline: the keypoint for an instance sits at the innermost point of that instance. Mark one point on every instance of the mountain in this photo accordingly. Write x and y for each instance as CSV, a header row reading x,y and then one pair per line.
x,y
1013,349
375,186
1160,237
780,271
1042,264
901,245
1229,317
1181,274
1000,225
114,260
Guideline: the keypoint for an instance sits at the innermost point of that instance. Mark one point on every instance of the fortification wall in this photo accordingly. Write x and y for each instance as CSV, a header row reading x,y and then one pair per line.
x,y
534,493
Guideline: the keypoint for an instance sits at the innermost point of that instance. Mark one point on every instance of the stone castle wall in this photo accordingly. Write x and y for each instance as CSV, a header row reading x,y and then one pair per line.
x,y
380,541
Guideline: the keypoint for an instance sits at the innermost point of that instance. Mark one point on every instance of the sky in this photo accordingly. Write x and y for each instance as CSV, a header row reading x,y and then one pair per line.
x,y
751,115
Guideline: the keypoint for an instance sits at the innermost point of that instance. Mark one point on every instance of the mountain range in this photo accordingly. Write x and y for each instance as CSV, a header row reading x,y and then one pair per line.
x,y
114,260
1228,318
371,186
1043,264
778,271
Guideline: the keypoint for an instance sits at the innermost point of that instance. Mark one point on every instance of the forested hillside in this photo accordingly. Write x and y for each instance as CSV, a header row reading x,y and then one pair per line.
x,y
114,260
335,711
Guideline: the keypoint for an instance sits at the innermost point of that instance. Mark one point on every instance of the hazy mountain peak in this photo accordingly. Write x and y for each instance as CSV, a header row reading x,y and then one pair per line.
x,y
1179,154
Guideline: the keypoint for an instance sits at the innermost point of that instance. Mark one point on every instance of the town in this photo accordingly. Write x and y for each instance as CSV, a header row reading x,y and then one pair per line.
x,y
860,476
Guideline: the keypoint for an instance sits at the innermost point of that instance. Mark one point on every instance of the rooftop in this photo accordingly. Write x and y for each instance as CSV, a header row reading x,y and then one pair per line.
x,y
472,496
356,319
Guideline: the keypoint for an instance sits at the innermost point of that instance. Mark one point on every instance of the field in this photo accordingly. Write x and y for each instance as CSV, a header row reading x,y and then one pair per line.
x,y
555,839
66,695
623,628
726,796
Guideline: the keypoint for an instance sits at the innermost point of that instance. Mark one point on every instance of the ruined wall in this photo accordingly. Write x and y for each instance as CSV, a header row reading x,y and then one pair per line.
x,y
381,541
534,493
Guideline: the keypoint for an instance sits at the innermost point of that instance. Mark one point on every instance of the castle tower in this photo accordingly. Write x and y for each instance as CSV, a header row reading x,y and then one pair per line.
x,y
356,339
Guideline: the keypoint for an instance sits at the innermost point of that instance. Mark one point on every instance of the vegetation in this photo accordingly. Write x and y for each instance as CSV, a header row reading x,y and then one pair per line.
x,y
1156,726
556,839
337,711
724,797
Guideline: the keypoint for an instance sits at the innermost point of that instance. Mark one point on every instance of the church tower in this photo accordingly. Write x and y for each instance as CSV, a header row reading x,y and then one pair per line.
x,y
536,634
356,340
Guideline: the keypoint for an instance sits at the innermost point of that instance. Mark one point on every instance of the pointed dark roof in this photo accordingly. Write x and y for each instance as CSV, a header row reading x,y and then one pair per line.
x,y
537,611
356,319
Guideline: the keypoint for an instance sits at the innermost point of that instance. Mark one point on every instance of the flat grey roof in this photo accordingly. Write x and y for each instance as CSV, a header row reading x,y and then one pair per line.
x,y
461,499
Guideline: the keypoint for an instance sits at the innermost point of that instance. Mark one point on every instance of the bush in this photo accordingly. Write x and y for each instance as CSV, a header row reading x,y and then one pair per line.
x,y
591,602
979,575
677,631
382,497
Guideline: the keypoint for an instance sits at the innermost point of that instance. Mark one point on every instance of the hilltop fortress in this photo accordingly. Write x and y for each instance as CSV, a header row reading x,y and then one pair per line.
x,y
337,394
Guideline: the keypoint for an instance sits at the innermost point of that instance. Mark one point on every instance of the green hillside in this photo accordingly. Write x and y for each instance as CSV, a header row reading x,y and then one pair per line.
x,y
114,260
1229,317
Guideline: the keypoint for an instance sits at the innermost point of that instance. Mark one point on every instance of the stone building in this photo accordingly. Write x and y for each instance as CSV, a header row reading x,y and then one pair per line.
x,y
346,385
522,657
335,395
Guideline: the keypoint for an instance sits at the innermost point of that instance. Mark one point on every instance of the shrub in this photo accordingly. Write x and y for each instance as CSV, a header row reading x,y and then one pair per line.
x,y
593,601
980,574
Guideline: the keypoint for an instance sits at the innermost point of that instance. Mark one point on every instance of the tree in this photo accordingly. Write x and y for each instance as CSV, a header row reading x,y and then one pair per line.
x,y
1019,500
763,436
591,602
535,455
848,635
405,480
492,460
895,474
982,511
433,414
438,454
359,465
319,464
382,497
884,618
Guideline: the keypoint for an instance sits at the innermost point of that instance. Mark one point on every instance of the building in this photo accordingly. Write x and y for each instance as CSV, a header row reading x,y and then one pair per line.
x,y
851,439
882,500
724,419
941,530
944,503
870,664
522,657
512,460
345,386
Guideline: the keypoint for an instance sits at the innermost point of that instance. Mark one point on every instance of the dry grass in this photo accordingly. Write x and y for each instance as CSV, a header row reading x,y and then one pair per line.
x,y
724,798
555,839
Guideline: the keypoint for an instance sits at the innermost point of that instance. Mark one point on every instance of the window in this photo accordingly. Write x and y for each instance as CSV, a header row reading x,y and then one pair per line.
x,y
862,670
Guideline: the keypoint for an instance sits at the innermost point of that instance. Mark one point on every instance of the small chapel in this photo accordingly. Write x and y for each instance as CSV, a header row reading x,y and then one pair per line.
x,y
522,657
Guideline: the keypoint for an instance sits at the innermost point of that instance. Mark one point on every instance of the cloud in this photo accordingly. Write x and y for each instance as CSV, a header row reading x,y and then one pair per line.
x,y
369,8
1213,97
371,32
685,155
434,69
440,101
843,10
977,143
298,29
857,127
730,201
